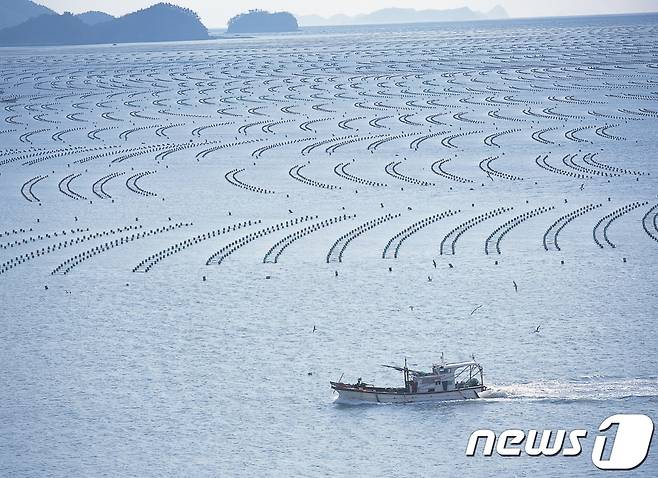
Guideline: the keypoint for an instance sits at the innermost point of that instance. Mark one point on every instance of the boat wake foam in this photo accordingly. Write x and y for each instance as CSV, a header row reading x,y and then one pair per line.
x,y
585,388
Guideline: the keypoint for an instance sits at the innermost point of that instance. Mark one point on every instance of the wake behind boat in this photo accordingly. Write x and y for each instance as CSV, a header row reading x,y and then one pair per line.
x,y
446,381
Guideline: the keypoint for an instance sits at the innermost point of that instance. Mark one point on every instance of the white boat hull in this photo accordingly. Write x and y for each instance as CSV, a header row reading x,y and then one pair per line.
x,y
358,396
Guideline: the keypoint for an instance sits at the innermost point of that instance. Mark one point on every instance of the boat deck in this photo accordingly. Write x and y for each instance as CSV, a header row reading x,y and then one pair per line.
x,y
396,390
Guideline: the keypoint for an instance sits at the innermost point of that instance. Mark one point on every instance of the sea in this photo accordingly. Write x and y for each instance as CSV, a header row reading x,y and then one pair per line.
x,y
196,237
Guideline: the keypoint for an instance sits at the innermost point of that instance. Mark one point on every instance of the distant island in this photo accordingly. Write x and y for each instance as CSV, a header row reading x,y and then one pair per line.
x,y
404,15
160,22
260,21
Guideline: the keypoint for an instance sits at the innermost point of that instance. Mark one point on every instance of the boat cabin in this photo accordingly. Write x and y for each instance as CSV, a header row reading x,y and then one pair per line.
x,y
443,378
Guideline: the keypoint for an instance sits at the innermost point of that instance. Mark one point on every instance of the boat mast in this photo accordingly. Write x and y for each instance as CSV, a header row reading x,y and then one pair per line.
x,y
406,375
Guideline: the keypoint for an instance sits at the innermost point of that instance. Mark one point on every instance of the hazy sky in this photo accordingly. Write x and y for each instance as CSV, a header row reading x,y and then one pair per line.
x,y
215,13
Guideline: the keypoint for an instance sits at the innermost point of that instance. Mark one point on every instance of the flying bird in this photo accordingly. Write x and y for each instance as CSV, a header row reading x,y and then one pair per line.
x,y
476,309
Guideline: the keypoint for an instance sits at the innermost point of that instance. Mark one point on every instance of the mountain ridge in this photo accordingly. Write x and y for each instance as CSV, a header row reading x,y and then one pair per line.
x,y
94,17
15,12
404,15
160,22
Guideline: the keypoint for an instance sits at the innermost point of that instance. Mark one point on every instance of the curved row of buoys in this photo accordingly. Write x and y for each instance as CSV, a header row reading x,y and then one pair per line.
x,y
65,187
485,166
542,162
232,178
650,223
392,248
71,263
437,168
604,223
98,188
337,249
40,237
341,170
131,184
551,235
449,241
22,258
493,241
219,256
26,188
151,261
391,170
273,254
296,173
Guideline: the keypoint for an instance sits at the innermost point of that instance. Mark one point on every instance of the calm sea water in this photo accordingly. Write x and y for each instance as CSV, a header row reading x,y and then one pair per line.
x,y
214,370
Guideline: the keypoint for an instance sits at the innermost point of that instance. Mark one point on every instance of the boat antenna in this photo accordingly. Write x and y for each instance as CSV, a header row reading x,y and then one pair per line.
x,y
341,377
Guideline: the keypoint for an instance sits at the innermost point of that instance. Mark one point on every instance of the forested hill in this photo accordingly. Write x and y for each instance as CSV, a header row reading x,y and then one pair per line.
x,y
15,12
161,22
259,21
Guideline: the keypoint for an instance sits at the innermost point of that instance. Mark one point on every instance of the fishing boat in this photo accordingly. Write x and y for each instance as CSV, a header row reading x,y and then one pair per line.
x,y
445,381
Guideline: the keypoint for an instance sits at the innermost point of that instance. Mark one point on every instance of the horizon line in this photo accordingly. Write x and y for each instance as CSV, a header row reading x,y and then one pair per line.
x,y
537,17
